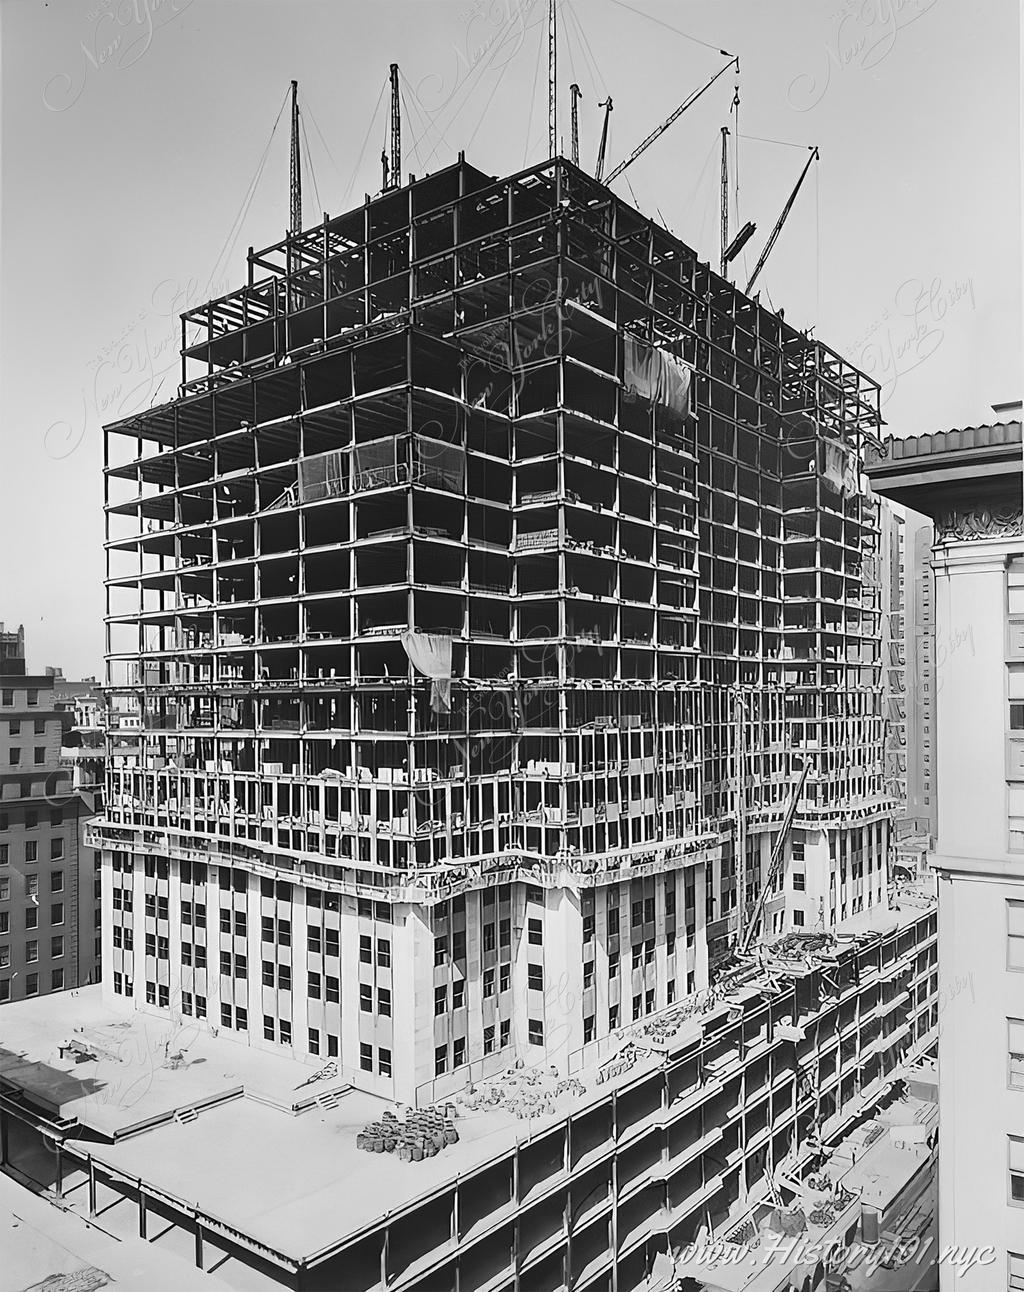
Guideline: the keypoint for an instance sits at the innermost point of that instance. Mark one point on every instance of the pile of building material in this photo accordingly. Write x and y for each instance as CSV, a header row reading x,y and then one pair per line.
x,y
422,1134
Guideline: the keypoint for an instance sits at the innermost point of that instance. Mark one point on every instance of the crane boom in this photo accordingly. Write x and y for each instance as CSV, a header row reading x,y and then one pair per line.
x,y
395,177
725,197
602,148
776,859
576,94
295,185
773,237
660,130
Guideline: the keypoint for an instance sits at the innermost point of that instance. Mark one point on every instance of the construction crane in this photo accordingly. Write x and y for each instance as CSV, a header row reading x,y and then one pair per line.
x,y
295,187
552,79
775,862
774,235
395,178
577,94
660,130
599,168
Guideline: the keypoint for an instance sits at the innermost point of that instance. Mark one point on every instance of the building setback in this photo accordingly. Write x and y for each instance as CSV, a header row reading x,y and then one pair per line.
x,y
49,881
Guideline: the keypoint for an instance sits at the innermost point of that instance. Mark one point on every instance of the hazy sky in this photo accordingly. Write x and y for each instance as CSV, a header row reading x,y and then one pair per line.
x,y
132,131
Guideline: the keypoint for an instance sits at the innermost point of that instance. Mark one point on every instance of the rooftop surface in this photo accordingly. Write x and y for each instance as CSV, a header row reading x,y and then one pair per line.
x,y
44,1247
247,1159
131,1079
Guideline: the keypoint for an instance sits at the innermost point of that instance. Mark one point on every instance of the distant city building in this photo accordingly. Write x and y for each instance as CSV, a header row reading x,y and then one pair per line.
x,y
50,936
924,660
970,483
891,578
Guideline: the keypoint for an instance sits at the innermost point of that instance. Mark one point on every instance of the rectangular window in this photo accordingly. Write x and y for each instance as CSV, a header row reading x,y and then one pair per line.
x,y
31,850
799,882
798,919
5,854
458,1052
488,1040
241,1018
488,983
504,1028
384,1002
268,1027
535,977
284,977
1014,1272
32,951
1015,1152
1015,1027
332,946
39,727
384,1062
57,980
535,1027
284,1032
14,756
200,1006
588,1029
638,1007
1015,935
31,917
490,940
534,932
366,1057
39,756
366,949
458,993
268,973
332,1046
31,984
440,949
503,977
440,1000
225,1015
56,947
313,986
366,998
57,881
56,912
440,1060
384,953
32,696
314,1040
588,974
332,989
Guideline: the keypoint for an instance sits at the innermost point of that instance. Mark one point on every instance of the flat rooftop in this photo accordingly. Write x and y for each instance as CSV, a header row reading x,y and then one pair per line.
x,y
262,1155
45,1247
133,1078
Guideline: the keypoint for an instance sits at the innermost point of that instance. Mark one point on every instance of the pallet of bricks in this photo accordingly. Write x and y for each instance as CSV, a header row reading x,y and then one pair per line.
x,y
421,1135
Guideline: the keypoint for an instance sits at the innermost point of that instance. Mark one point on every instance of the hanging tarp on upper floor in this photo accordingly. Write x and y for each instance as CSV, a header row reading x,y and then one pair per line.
x,y
838,468
655,375
431,655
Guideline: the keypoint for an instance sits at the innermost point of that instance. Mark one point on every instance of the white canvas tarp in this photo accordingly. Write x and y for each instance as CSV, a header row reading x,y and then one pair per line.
x,y
431,655
656,375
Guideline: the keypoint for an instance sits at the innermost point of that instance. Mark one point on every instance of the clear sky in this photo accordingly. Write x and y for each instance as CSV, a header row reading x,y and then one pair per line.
x,y
132,130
